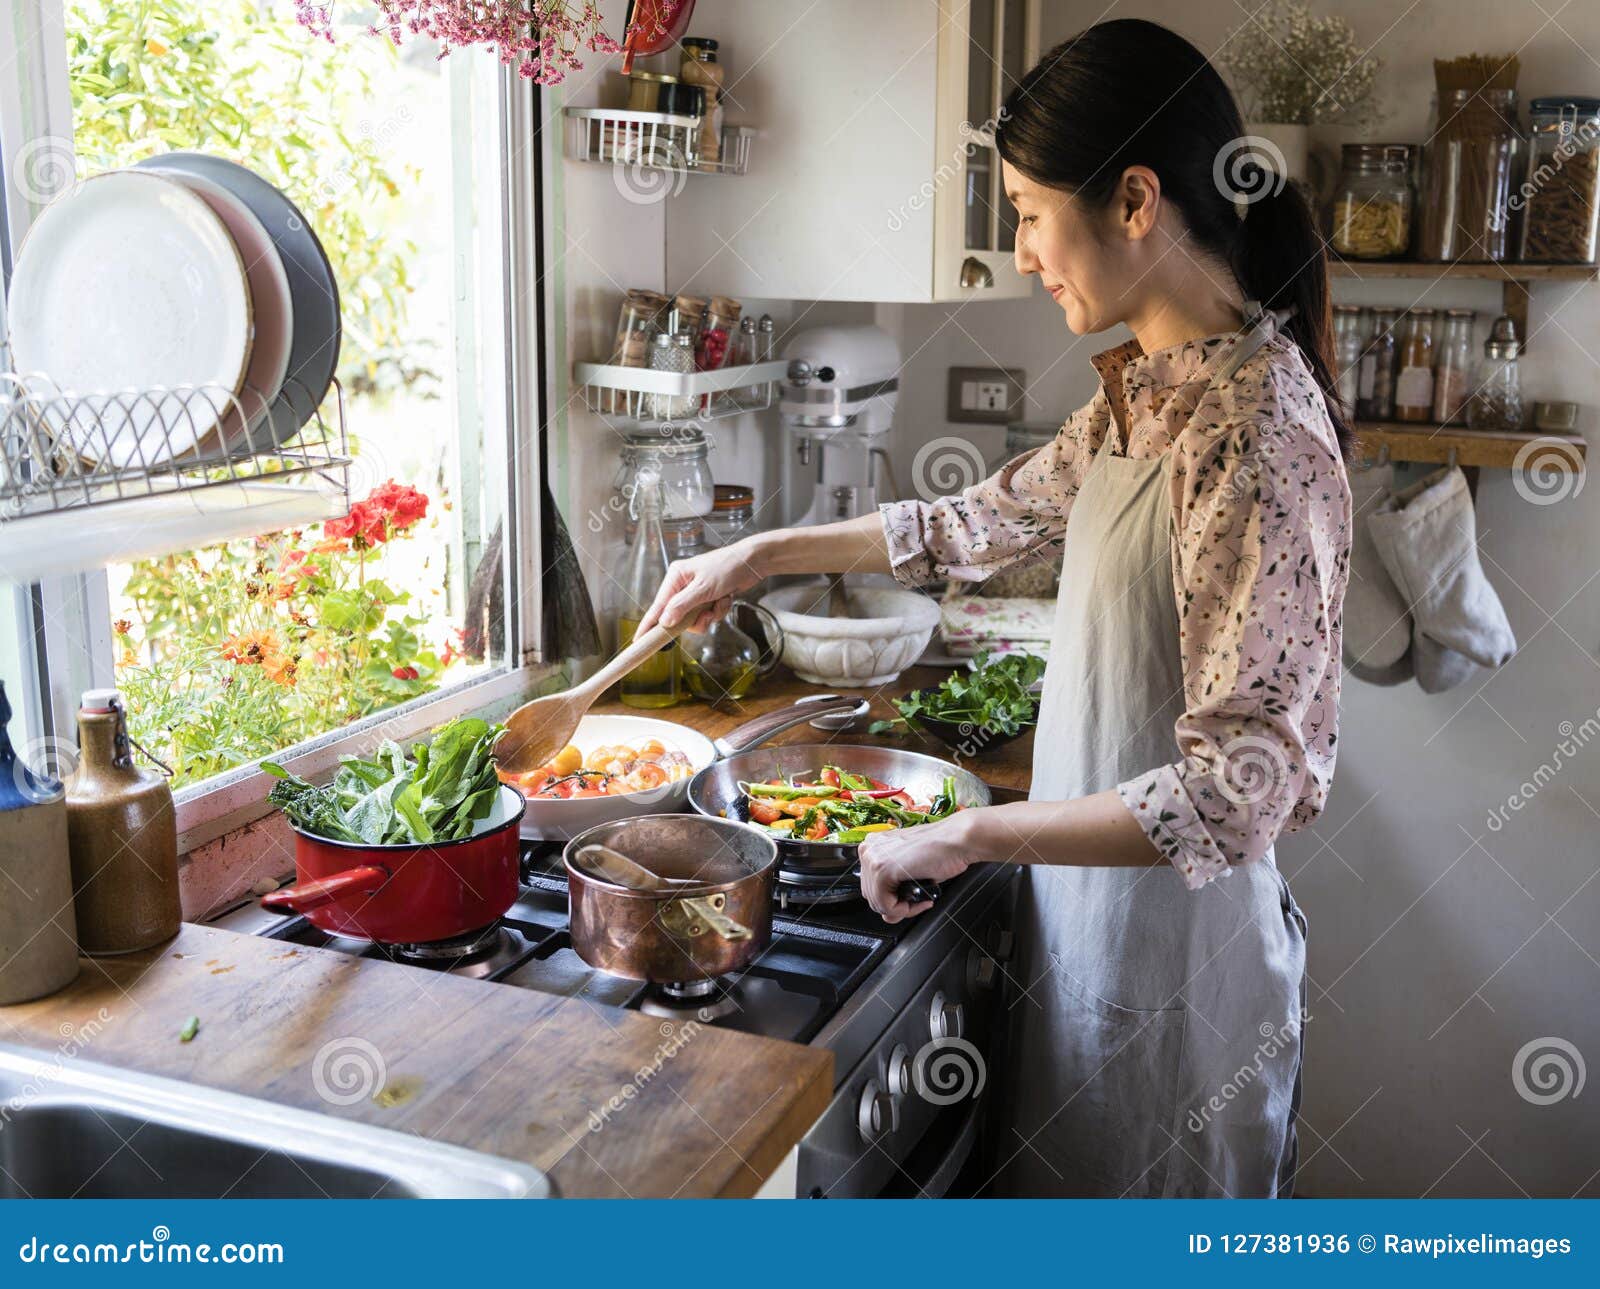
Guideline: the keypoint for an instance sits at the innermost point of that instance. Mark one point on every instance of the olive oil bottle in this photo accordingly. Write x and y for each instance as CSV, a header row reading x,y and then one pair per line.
x,y
658,681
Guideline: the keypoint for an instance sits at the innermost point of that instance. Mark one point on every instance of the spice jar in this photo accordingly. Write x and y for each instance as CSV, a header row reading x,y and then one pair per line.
x,y
1372,203
1496,402
1452,367
672,353
38,942
1560,198
637,325
1375,384
700,67
1468,173
123,832
716,340
1413,380
691,313
676,144
1347,338
733,513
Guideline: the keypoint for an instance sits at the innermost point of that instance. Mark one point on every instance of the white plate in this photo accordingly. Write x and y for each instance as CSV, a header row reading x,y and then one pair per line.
x,y
271,308
130,281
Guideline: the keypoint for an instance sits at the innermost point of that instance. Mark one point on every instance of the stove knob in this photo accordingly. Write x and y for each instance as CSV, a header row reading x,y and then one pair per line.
x,y
944,1018
982,970
877,1113
1002,943
900,1081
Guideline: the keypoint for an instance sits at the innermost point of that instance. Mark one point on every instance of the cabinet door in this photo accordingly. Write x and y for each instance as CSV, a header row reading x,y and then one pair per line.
x,y
985,47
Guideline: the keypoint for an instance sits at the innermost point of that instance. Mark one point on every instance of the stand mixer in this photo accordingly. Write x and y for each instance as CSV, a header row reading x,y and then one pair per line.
x,y
837,404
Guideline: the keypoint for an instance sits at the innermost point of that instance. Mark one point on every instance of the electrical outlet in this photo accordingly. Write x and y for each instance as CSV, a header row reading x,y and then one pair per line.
x,y
985,395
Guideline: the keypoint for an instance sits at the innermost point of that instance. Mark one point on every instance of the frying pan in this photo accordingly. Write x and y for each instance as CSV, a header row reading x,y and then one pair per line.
x,y
553,819
714,791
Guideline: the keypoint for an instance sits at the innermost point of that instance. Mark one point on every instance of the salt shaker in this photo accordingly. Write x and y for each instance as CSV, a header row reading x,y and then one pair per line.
x,y
38,942
1497,400
124,837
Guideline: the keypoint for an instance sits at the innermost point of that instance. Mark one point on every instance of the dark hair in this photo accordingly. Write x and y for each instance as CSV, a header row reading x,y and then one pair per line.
x,y
1131,92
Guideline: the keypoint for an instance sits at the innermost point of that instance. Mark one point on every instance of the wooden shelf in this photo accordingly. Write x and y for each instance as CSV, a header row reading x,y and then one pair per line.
x,y
1501,272
1434,444
1514,279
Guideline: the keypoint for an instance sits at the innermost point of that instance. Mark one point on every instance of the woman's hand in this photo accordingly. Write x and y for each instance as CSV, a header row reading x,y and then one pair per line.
x,y
698,591
934,852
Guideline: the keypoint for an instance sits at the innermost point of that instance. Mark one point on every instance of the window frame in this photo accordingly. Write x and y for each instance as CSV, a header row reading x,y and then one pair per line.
x,y
64,624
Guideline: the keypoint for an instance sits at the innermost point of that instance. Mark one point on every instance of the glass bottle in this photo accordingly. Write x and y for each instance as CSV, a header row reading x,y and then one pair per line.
x,y
1496,402
123,833
1452,368
1347,352
1413,382
656,682
1375,383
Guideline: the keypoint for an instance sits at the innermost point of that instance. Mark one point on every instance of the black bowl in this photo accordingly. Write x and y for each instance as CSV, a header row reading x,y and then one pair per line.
x,y
967,738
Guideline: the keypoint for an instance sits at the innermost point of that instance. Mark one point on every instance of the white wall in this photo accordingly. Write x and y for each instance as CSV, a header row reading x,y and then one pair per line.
x,y
1437,948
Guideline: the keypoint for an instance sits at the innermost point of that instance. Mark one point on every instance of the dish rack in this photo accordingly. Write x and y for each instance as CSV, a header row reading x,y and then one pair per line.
x,y
93,479
653,141
642,394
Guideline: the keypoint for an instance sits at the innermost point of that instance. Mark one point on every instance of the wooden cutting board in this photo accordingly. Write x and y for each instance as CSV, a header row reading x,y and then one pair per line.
x,y
607,1102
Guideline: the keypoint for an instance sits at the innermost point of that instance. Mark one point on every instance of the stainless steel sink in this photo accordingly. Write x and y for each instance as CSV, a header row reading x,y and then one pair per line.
x,y
73,1128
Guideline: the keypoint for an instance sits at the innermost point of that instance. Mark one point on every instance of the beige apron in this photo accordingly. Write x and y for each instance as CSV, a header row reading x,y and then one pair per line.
x,y
1158,1041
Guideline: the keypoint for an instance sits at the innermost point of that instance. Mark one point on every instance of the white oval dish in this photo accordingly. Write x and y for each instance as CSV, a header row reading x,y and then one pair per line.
x,y
130,281
889,631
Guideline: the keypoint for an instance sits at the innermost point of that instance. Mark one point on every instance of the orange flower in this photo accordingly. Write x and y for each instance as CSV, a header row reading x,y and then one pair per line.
x,y
253,649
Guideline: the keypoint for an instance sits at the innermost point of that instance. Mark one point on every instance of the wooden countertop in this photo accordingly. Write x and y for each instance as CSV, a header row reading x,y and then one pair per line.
x,y
1009,766
607,1102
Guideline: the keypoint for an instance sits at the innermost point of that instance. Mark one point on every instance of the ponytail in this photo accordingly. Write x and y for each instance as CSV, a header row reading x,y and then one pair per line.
x,y
1132,93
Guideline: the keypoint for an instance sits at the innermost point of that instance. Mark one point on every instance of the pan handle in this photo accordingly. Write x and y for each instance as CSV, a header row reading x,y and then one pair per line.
x,y
325,890
755,732
917,890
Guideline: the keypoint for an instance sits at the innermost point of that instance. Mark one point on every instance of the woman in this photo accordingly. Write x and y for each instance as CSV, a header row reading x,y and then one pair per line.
x,y
1202,510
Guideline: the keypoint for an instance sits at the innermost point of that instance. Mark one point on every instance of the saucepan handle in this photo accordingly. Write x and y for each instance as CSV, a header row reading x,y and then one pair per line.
x,y
755,732
916,890
325,890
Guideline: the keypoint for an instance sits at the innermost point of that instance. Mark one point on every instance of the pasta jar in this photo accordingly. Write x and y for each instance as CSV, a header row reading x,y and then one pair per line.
x,y
1372,204
1560,198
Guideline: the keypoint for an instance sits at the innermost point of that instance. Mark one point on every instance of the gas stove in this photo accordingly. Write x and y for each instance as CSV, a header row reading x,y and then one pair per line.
x,y
835,975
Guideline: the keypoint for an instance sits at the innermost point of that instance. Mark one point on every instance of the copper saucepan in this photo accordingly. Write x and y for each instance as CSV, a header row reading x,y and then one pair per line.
x,y
659,936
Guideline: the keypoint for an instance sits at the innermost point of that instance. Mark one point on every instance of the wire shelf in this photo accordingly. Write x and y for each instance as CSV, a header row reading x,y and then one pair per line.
x,y
663,397
653,141
91,479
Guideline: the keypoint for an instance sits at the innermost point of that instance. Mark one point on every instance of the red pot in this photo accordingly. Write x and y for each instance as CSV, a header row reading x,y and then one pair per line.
x,y
405,894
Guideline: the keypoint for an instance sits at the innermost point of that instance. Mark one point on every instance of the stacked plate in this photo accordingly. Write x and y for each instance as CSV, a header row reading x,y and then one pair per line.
x,y
181,308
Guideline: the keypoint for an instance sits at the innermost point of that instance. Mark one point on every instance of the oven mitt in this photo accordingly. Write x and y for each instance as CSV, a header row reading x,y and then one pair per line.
x,y
1438,668
1396,673
1427,538
1377,624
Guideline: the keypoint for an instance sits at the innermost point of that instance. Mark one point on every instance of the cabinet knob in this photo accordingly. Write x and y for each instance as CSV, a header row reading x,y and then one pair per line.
x,y
975,274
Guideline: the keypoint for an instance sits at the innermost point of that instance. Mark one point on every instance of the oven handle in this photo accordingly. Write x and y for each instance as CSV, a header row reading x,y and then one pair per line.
x,y
944,1173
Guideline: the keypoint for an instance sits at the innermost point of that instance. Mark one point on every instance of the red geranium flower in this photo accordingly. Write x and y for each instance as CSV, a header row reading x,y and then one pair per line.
x,y
388,509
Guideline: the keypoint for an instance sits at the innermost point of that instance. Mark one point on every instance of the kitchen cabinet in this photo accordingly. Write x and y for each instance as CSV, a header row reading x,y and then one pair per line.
x,y
875,176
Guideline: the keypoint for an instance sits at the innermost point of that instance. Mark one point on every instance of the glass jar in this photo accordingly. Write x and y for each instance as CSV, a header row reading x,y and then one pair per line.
x,y
676,146
1347,338
716,339
1452,367
679,457
1561,196
1496,402
1375,381
1371,216
672,353
641,319
1470,167
691,313
1413,379
733,514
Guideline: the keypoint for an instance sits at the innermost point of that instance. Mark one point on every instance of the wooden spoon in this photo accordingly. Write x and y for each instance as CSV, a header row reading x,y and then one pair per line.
x,y
536,731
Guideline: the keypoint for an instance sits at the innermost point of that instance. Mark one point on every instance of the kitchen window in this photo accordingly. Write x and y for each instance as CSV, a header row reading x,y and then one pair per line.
x,y
410,610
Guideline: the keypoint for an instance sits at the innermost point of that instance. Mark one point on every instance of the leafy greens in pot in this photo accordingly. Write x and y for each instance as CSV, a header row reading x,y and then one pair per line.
x,y
438,793
993,697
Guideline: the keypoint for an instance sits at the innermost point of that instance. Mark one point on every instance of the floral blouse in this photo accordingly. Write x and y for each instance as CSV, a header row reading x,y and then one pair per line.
x,y
1260,558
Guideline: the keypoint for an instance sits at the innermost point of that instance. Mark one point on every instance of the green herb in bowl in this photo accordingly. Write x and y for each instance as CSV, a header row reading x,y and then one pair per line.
x,y
975,709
